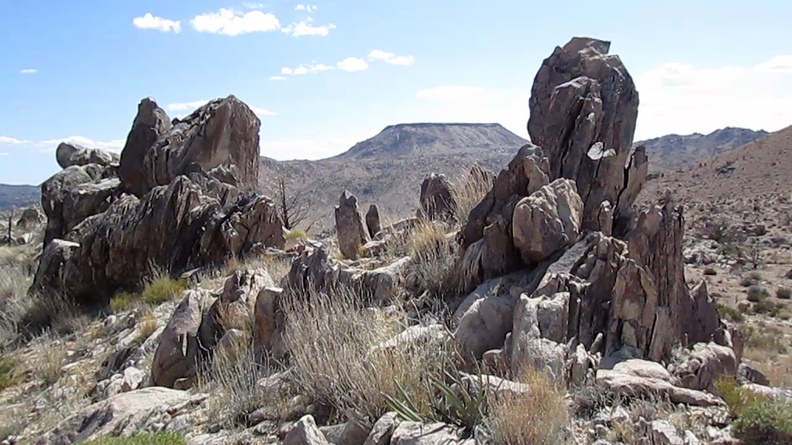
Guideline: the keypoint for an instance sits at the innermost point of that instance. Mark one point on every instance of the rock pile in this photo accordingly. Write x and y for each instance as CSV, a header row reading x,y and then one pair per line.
x,y
179,199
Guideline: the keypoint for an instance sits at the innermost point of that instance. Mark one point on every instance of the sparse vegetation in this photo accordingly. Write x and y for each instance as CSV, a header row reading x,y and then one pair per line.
x,y
757,293
158,438
163,289
784,293
124,301
537,417
8,372
758,420
295,234
51,355
730,313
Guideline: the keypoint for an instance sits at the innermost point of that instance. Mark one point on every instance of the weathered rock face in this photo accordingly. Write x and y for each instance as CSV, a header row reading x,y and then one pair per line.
x,y
351,231
174,227
547,221
179,349
373,221
221,139
63,210
31,216
583,112
72,154
149,124
437,197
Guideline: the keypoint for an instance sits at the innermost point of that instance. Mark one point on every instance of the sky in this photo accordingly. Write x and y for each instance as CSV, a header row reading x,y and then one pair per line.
x,y
323,75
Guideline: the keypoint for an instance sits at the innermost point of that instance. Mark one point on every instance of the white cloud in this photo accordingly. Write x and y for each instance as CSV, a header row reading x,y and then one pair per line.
x,y
231,23
150,21
458,103
682,98
352,64
277,78
187,106
28,71
391,58
310,9
778,64
12,140
254,5
305,69
305,28
113,145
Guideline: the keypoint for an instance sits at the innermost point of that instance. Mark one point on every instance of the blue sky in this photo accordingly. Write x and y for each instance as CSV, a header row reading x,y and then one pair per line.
x,y
323,75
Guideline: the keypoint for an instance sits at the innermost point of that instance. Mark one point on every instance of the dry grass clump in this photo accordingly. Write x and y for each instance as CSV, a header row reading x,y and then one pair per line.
x,y
334,342
160,289
53,314
469,191
232,378
538,417
50,357
14,303
434,259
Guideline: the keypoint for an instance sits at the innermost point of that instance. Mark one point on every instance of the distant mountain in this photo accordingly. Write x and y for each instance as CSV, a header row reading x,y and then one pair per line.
x,y
434,139
674,151
18,195
388,168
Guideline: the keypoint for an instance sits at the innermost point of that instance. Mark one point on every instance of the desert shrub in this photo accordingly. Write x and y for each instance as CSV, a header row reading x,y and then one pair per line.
x,y
433,262
730,250
53,314
8,372
158,438
758,420
710,271
50,358
748,281
757,294
730,313
468,192
162,289
124,301
768,307
14,302
756,276
784,293
232,379
334,344
766,341
296,233
538,417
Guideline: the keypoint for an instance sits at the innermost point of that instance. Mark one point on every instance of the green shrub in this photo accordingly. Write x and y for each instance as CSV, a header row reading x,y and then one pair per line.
x,y
296,234
163,289
730,250
764,423
757,294
737,398
123,301
756,276
158,438
731,314
784,293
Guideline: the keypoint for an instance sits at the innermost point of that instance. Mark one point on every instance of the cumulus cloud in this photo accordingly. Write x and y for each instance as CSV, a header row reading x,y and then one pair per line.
x,y
352,64
682,98
150,21
113,145
189,107
307,8
305,69
12,140
28,71
391,58
305,28
232,23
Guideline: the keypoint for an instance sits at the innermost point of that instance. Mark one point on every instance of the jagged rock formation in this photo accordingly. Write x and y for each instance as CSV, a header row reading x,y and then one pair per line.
x,y
220,138
30,217
193,211
583,112
373,221
437,197
72,154
618,293
350,229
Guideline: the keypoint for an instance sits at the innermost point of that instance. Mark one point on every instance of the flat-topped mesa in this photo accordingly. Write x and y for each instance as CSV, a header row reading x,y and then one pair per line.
x,y
220,138
584,107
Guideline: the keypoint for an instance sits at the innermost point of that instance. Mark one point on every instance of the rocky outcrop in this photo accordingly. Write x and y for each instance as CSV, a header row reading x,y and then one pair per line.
x,y
437,197
547,221
30,217
220,139
179,348
373,221
71,195
150,123
584,107
350,229
68,154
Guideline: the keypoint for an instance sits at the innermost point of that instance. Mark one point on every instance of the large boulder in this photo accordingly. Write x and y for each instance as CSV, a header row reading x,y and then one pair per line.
x,y
437,197
220,139
150,123
30,217
373,221
64,212
350,229
179,348
68,154
547,221
174,228
584,107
